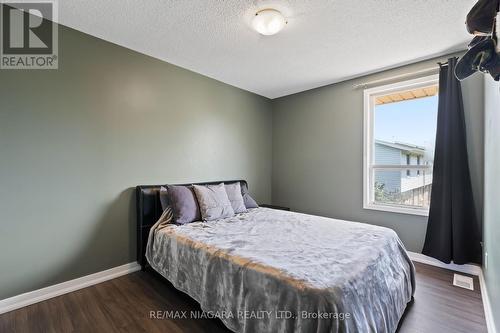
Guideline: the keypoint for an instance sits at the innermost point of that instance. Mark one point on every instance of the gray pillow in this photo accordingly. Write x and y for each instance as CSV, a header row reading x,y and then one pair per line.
x,y
184,204
247,199
235,197
163,198
214,202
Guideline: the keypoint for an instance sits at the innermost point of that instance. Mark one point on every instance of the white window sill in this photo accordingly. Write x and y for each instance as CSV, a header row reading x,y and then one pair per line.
x,y
397,209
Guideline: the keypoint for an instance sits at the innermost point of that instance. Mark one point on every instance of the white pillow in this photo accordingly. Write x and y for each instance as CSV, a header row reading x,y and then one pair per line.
x,y
234,194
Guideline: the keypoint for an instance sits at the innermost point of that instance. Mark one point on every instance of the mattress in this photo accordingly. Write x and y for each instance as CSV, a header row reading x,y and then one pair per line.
x,y
276,271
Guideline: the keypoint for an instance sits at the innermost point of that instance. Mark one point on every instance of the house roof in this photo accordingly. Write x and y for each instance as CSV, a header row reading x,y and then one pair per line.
x,y
407,95
406,147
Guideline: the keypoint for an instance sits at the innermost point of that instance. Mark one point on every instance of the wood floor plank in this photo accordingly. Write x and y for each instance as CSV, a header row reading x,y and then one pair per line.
x,y
78,317
116,311
8,324
124,305
59,314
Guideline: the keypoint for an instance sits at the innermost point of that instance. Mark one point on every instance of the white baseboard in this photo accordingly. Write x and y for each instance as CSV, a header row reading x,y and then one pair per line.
x,y
467,269
488,312
32,297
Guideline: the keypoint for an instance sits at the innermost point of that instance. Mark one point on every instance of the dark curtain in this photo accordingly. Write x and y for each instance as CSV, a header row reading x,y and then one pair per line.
x,y
452,230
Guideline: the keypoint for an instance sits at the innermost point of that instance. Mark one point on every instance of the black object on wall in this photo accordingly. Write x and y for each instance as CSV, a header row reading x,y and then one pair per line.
x,y
453,230
481,17
482,55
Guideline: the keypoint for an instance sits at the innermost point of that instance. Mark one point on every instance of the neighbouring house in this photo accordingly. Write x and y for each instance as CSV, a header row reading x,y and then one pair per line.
x,y
402,185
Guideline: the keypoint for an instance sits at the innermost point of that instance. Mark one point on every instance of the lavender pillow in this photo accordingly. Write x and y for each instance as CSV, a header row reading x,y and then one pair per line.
x,y
235,197
247,199
214,202
184,204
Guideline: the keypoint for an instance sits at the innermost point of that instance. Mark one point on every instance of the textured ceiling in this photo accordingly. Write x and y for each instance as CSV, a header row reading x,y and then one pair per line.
x,y
325,41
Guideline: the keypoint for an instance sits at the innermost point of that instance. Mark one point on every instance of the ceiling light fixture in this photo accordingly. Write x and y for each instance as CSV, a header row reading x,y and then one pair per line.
x,y
268,22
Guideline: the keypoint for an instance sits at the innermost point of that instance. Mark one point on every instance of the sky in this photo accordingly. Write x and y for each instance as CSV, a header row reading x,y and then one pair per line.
x,y
412,121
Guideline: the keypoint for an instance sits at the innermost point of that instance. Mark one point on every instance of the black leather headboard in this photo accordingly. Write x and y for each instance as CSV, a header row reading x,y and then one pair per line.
x,y
149,211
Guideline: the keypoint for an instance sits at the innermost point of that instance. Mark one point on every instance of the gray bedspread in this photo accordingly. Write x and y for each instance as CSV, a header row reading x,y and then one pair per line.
x,y
275,271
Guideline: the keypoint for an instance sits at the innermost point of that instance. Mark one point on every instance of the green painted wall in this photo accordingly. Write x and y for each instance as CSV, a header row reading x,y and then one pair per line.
x,y
75,141
318,153
492,194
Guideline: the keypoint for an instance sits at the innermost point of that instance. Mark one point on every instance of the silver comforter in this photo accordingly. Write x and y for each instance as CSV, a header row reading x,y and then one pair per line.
x,y
275,271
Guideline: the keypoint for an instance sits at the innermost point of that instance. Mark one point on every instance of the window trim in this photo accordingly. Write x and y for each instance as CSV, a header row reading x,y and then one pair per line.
x,y
368,106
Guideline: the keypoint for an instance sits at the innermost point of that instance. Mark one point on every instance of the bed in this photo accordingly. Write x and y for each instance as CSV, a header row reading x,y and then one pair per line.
x,y
269,270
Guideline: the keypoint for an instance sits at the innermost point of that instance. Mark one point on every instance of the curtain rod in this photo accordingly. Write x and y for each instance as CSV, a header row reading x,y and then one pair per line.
x,y
365,84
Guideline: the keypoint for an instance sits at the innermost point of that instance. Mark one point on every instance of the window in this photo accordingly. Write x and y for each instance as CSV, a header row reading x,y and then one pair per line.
x,y
400,130
408,163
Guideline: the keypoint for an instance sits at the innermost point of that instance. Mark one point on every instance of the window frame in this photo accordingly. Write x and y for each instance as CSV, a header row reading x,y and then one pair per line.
x,y
368,142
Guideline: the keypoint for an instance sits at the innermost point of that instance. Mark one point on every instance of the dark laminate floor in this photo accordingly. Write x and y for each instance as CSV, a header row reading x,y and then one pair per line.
x,y
123,305
441,307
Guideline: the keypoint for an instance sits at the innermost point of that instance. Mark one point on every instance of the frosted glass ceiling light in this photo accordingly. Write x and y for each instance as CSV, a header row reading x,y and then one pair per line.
x,y
268,22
